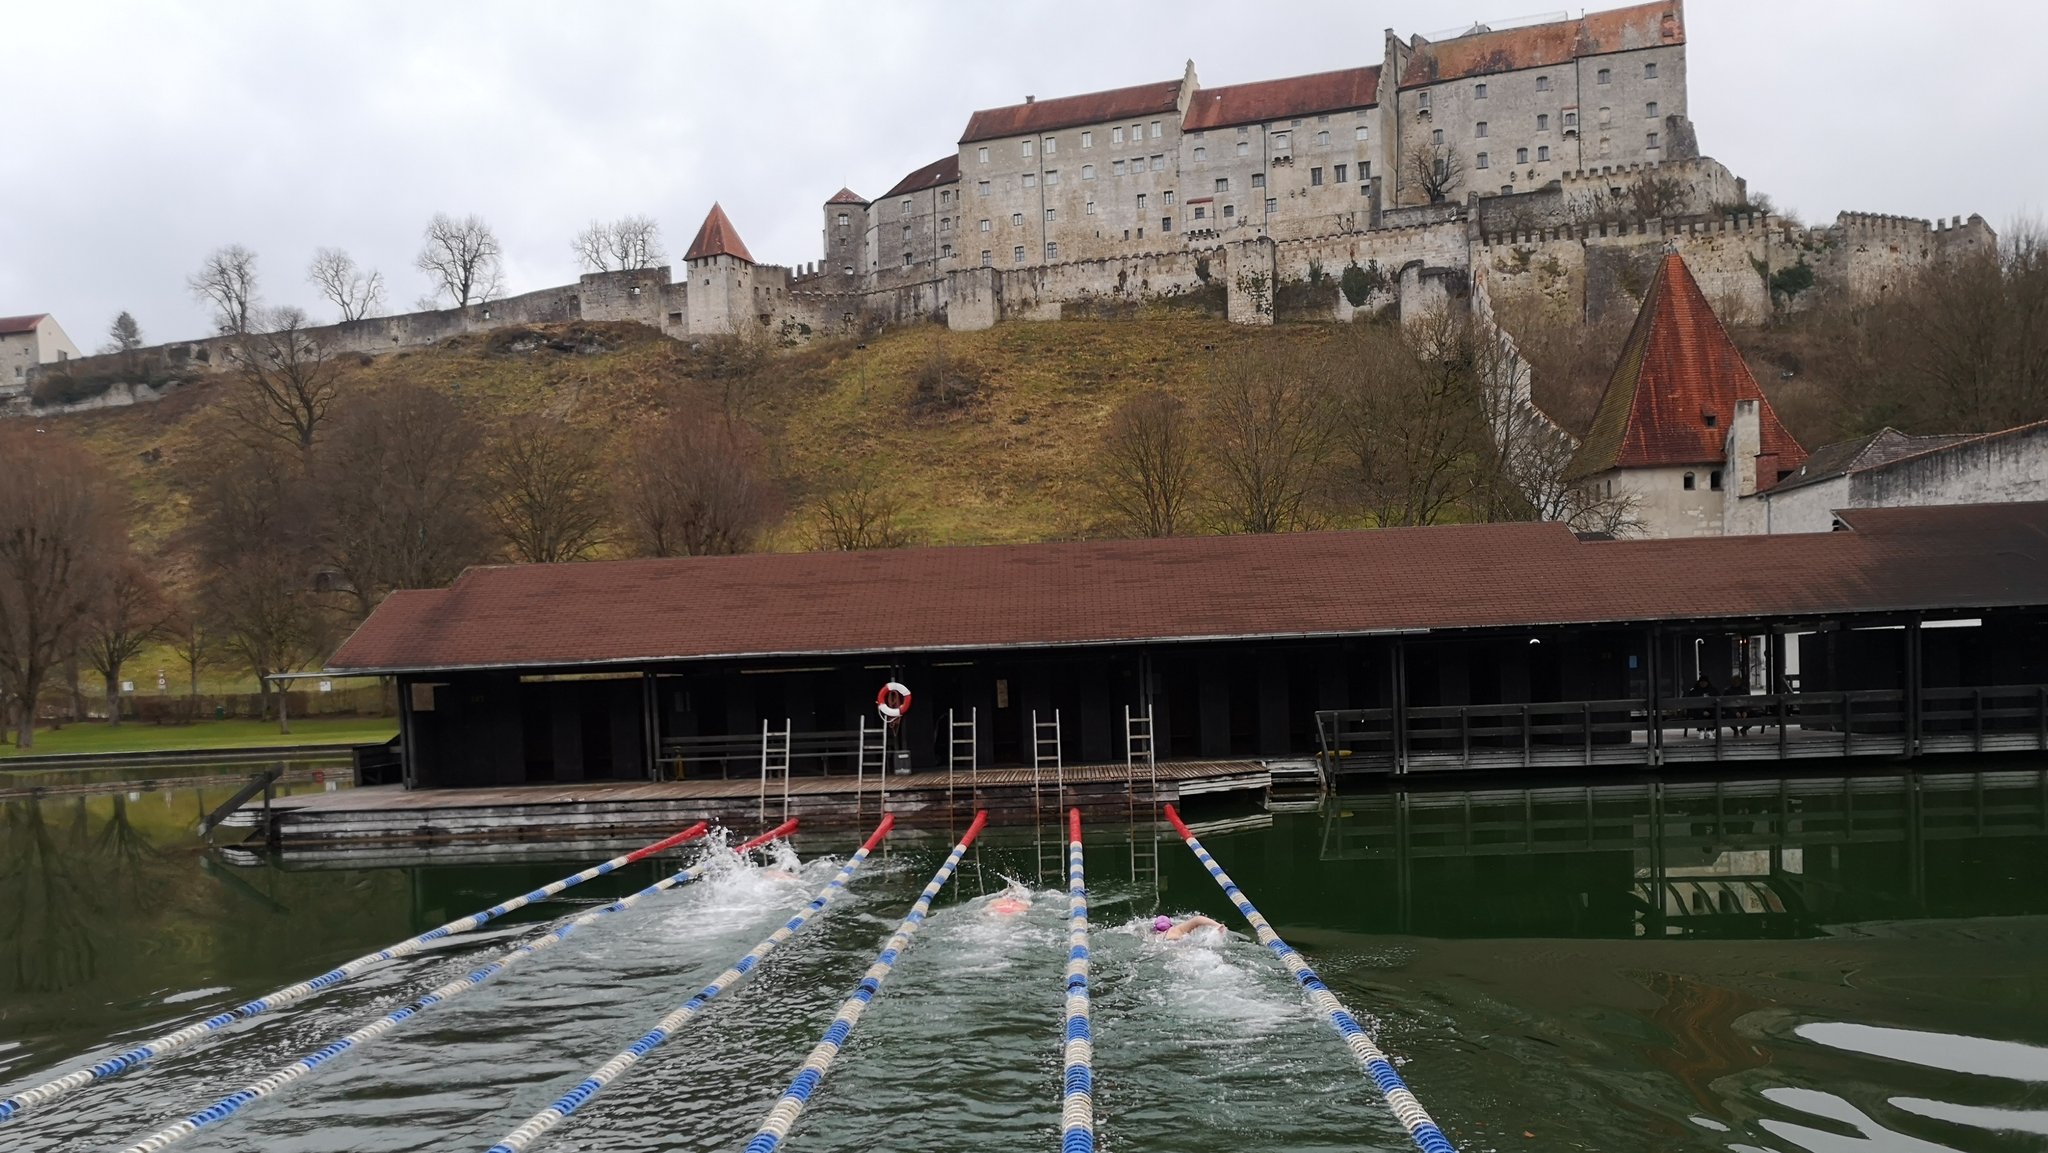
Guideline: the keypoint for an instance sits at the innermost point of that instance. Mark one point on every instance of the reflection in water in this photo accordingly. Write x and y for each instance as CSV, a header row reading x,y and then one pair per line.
x,y
2000,1120
1869,1136
1940,1050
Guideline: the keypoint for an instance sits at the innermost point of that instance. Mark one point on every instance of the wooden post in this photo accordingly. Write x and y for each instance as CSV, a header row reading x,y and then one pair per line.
x,y
1913,678
284,696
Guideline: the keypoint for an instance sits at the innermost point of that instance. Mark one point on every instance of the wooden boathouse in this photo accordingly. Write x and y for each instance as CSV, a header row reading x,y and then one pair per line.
x,y
1517,646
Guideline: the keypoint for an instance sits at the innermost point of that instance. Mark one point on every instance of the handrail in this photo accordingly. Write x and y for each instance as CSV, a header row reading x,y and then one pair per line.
x,y
258,783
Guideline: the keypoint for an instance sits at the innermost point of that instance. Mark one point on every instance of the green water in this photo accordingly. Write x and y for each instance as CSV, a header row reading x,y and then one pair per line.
x,y
1743,966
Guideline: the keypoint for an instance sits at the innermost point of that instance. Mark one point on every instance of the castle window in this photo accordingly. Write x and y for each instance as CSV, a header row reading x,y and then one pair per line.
x,y
1116,168
1272,206
1052,250
945,224
1315,177
1605,146
1543,122
906,232
1201,212
1201,154
1343,173
982,187
1483,163
1322,140
1258,180
1479,130
1521,156
1422,101
1229,210
946,251
945,196
1091,208
906,207
1141,202
1052,176
1223,184
1141,234
1087,172
1243,147
1017,255
1479,92
906,260
1711,419
1714,480
1689,483
1159,164
1168,197
1571,118
1650,70
1359,132
1279,142
1052,145
1155,130
1542,153
1364,171
986,225
1543,84
842,220
1604,76
1650,110
1016,220
983,155
1436,137
1166,224
1087,140
988,258
1031,180
1652,140
1116,135
677,317
1051,214
1606,115
1025,146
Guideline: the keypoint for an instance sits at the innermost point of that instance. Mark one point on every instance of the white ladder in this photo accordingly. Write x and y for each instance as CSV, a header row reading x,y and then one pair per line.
x,y
1141,764
963,754
775,765
1049,787
874,758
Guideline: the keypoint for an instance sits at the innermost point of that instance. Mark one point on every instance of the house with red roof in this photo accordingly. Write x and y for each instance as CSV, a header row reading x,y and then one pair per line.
x,y
27,341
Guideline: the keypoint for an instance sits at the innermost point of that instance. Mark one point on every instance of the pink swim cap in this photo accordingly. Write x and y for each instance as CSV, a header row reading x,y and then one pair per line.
x,y
1162,923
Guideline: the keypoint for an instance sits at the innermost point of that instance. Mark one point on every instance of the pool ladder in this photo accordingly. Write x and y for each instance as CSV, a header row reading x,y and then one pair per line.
x,y
1048,794
1140,764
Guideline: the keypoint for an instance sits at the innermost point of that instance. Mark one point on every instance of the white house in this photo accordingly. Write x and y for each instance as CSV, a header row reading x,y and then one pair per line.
x,y
26,341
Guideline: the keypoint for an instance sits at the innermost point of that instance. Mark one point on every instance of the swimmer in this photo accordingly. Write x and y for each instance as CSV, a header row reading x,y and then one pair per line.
x,y
1165,928
1011,903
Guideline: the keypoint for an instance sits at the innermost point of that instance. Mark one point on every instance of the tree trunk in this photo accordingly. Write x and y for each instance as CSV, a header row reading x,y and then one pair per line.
x,y
114,697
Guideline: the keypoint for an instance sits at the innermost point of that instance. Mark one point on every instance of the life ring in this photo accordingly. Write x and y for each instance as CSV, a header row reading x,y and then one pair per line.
x,y
893,701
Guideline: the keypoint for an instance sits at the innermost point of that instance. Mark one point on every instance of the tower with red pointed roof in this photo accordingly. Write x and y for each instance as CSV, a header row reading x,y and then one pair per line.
x,y
1683,426
721,276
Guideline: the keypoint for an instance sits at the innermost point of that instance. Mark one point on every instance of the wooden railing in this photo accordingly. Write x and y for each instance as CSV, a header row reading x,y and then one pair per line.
x,y
739,755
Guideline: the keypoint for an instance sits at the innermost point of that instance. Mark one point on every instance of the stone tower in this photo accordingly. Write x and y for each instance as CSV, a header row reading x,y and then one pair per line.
x,y
721,278
846,237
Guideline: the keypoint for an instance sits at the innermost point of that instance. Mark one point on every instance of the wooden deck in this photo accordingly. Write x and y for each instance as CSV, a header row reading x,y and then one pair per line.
x,y
391,815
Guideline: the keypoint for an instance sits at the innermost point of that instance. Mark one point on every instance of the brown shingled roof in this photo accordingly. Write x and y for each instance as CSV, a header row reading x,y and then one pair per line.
x,y
847,196
1546,45
1677,369
1282,99
1071,111
718,237
1104,592
16,325
946,171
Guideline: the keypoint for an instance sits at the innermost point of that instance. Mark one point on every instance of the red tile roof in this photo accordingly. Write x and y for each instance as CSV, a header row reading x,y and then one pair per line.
x,y
16,325
932,175
1283,99
847,196
1678,369
1546,45
718,237
1072,111
1106,592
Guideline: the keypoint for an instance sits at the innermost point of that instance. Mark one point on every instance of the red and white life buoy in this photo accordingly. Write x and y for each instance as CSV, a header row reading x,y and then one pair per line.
x,y
893,701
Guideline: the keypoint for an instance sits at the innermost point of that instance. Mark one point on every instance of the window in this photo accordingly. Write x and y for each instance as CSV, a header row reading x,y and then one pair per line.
x,y
907,261
677,317
1116,168
1024,147
1258,180
1201,154
1087,172
1279,142
1543,122
1087,140
1483,163
1141,234
1571,119
1651,141
1017,255
1201,212
1052,176
1604,76
1141,202
906,232
1167,197
1422,101
1343,173
1650,110
1155,130
945,224
1711,418
842,220
1479,92
1116,135
1016,220
982,155
986,225
1688,482
1521,156
1315,177
1542,153
981,187
1479,130
1051,215
1159,164
946,251
1091,208
1031,180
1605,146
905,210
1364,171
1543,84
1052,145
1243,147
987,258
1606,115
1223,184
1052,250
1166,224
945,196
1436,137
1507,190
1244,131
1229,210
1714,480
1322,140
1272,206
1359,132
1650,70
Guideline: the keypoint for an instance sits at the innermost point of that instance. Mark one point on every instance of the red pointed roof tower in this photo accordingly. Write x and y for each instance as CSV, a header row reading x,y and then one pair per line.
x,y
1671,400
718,238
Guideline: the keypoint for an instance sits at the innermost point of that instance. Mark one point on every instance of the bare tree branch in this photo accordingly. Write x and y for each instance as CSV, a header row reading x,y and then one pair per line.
x,y
124,620
227,281
354,292
464,258
546,497
288,383
1269,433
693,487
855,511
1437,169
624,244
1149,465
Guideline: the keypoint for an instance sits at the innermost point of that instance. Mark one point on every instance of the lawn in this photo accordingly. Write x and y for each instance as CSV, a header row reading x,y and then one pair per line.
x,y
134,737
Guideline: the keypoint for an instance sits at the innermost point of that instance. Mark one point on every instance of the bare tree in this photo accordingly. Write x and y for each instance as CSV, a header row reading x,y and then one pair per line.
x,y
395,487
191,641
464,258
123,335
1656,196
1411,432
1148,466
1436,169
357,293
59,537
544,491
1269,433
125,619
626,243
693,487
288,383
227,281
856,511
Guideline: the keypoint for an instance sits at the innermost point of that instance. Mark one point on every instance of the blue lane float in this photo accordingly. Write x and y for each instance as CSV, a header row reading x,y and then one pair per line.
x,y
233,1103
170,1042
775,1127
1422,1129
538,1124
1077,1099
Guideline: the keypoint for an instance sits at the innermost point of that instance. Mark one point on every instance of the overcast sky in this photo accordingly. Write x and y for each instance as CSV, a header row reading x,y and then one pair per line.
x,y
140,137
